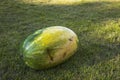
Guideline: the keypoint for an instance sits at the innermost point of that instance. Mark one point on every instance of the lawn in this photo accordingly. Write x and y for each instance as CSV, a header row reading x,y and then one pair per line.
x,y
97,24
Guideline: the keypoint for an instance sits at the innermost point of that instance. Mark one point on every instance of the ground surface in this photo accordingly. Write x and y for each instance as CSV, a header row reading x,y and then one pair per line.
x,y
97,25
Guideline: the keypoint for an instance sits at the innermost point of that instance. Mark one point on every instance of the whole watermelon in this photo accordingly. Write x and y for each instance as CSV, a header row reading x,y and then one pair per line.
x,y
49,47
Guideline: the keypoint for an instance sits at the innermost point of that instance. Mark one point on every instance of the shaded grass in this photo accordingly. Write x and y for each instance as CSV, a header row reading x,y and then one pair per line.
x,y
97,25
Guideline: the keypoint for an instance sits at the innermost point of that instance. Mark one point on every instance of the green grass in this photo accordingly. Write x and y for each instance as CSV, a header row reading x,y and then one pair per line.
x,y
97,25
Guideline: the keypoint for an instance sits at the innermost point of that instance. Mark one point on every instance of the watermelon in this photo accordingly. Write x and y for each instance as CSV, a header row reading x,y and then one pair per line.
x,y
49,47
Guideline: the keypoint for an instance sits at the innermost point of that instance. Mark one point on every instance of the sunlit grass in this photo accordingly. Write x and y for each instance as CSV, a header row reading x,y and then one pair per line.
x,y
62,2
65,1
